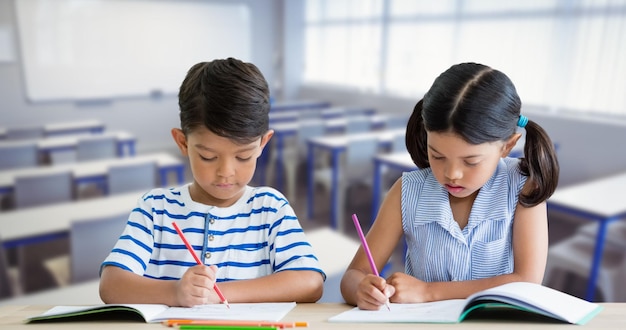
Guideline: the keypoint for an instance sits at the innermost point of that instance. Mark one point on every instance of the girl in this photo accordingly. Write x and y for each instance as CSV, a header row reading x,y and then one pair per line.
x,y
472,217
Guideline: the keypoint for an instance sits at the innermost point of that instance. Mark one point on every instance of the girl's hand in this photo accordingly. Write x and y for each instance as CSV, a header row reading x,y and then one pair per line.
x,y
408,289
373,292
196,286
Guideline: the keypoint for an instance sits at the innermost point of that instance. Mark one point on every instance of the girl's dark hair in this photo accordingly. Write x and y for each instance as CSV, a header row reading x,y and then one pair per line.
x,y
227,96
481,105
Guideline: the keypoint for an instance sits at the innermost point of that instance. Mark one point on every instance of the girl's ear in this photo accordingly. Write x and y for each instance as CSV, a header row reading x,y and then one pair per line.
x,y
181,140
510,144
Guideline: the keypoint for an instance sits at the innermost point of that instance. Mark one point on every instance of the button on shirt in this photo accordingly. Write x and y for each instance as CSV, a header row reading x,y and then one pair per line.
x,y
438,249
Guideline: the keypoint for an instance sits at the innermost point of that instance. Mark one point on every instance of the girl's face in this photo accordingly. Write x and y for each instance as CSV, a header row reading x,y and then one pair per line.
x,y
221,168
463,168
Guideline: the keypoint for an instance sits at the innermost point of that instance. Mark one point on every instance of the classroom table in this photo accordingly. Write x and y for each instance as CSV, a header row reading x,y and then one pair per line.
x,y
125,142
336,145
320,113
70,127
96,171
598,200
48,222
298,105
285,130
316,315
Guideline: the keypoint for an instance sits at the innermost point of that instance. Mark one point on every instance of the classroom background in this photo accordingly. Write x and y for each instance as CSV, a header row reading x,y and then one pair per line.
x,y
75,72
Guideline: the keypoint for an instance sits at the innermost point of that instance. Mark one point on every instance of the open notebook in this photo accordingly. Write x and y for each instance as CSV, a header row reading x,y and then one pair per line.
x,y
157,313
520,296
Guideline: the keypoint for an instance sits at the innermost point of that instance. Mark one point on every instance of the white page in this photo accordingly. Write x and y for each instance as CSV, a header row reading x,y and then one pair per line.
x,y
254,312
444,311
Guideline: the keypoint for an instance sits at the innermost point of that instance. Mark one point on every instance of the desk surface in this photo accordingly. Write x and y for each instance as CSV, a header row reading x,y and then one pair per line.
x,y
63,127
68,140
49,219
612,317
601,197
89,168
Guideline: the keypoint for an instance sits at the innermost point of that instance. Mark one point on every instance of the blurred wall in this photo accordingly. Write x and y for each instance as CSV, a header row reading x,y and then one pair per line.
x,y
150,119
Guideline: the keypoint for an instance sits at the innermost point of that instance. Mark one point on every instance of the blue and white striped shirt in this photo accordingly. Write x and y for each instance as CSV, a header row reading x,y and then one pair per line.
x,y
257,236
438,249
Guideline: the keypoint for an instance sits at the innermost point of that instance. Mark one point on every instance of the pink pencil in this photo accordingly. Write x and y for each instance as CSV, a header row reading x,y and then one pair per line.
x,y
217,290
367,250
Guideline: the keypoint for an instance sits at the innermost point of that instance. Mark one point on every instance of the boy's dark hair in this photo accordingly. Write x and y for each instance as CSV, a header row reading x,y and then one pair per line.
x,y
227,96
481,105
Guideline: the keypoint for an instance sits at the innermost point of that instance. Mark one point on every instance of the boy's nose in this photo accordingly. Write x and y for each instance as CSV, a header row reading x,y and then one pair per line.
x,y
225,168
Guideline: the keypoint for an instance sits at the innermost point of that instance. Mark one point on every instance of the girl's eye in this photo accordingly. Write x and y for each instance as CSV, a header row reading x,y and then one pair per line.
x,y
437,157
471,164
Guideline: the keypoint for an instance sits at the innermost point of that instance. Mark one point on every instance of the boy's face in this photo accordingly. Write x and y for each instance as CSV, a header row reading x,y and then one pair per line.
x,y
221,168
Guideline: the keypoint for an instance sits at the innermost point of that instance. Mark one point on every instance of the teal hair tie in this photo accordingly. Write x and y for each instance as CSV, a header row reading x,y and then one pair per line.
x,y
522,121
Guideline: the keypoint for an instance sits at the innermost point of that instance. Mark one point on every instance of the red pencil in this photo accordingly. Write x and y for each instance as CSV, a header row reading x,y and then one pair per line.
x,y
217,290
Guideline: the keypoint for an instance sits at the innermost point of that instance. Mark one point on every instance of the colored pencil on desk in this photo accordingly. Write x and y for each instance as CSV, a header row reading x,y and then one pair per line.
x,y
367,250
281,325
224,327
217,289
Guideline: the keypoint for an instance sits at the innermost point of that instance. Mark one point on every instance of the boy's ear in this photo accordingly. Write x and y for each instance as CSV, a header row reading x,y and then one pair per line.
x,y
266,138
180,139
510,144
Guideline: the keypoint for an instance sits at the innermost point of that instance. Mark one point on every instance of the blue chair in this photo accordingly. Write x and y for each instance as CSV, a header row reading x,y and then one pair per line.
x,y
91,241
22,154
46,188
96,147
130,177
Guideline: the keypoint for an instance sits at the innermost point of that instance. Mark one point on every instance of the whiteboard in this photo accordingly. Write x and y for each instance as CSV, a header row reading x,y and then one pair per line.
x,y
102,49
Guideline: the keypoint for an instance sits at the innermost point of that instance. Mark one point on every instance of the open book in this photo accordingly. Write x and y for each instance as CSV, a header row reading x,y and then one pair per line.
x,y
519,296
158,313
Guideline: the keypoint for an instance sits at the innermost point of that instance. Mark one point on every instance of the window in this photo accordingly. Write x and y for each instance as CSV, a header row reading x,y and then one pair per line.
x,y
564,54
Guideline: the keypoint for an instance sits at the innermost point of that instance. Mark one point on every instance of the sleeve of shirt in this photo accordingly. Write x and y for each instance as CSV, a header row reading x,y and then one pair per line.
x,y
289,248
134,247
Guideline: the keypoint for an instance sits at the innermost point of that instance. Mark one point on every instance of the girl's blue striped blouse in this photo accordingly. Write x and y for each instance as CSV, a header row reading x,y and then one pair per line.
x,y
438,249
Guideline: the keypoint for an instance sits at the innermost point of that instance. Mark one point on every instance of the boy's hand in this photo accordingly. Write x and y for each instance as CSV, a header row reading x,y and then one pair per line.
x,y
372,292
196,286
408,289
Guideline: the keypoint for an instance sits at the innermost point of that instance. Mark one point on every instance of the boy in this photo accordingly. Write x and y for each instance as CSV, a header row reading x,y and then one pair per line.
x,y
250,236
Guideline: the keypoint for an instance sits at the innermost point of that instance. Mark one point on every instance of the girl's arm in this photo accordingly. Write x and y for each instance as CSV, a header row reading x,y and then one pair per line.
x,y
359,286
530,249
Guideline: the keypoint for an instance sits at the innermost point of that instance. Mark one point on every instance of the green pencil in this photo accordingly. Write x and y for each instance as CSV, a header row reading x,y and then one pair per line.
x,y
224,327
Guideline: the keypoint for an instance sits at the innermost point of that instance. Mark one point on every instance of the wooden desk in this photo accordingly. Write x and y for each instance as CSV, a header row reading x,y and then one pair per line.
x,y
598,200
337,145
86,293
125,142
97,170
612,317
70,127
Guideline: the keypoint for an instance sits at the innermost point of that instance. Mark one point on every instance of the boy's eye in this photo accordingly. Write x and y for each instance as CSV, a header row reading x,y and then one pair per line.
x,y
207,159
242,159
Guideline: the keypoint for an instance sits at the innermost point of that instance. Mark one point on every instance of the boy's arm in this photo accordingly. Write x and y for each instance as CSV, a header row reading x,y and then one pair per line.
x,y
124,287
301,286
